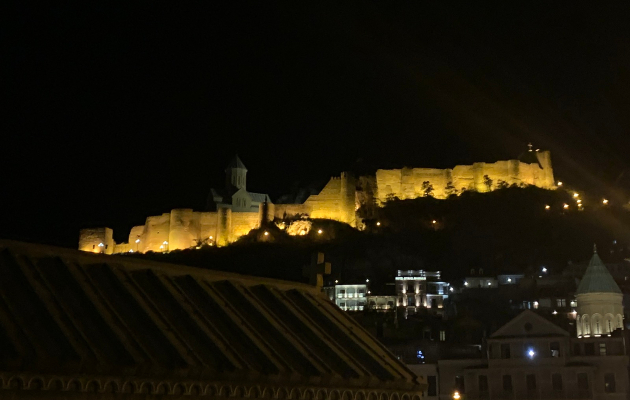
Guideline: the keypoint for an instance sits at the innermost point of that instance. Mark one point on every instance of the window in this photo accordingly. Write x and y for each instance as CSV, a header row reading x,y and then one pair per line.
x,y
561,302
577,350
483,384
555,349
459,384
410,287
609,383
505,350
531,384
432,381
93,246
507,383
583,390
602,349
573,303
556,382
442,336
589,349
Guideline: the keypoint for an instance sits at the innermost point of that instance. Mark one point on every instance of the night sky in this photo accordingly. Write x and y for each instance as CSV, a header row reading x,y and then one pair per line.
x,y
115,114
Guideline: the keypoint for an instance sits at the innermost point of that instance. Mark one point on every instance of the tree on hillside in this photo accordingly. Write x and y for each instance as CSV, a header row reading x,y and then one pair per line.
x,y
450,189
488,182
427,189
502,184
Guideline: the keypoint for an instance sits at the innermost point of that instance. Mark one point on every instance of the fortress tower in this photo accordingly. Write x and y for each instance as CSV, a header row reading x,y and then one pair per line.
x,y
599,301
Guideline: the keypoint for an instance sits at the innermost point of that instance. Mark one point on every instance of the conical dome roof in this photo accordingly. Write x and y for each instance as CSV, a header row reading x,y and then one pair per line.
x,y
236,163
597,279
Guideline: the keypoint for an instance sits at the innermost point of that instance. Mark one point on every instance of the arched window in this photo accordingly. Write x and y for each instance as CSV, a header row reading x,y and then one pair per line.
x,y
586,326
597,324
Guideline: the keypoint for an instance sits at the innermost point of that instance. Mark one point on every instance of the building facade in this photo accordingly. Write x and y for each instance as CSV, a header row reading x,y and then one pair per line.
x,y
418,289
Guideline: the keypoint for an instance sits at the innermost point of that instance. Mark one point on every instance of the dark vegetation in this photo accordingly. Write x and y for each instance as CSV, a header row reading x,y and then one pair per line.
x,y
507,230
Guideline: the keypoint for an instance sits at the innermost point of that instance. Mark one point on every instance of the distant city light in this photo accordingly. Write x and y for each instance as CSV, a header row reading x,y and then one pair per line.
x,y
451,289
576,194
605,201
554,312
547,207
489,283
319,231
137,240
131,251
369,292
531,353
509,279
565,206
544,269
210,237
165,242
101,245
266,233
559,183
378,224
434,222
578,201
367,280
336,281
465,283
456,395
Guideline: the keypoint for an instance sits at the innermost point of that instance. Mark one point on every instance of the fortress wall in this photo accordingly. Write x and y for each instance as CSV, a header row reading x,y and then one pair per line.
x,y
156,231
89,240
242,223
224,226
439,178
327,204
184,229
208,222
388,181
289,210
124,247
137,232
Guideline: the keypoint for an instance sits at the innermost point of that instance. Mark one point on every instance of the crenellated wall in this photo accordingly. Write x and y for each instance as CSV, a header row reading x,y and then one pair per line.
x,y
336,201
407,183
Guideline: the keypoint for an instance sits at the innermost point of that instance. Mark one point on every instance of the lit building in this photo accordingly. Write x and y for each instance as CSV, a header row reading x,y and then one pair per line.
x,y
348,297
599,302
421,289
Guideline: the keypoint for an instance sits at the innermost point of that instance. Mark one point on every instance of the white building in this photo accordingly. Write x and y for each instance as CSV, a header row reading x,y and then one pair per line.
x,y
419,288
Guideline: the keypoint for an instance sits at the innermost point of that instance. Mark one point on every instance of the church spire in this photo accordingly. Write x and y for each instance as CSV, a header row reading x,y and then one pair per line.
x,y
597,279
236,174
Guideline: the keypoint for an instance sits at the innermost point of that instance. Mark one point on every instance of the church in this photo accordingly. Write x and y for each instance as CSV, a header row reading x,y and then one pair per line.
x,y
530,357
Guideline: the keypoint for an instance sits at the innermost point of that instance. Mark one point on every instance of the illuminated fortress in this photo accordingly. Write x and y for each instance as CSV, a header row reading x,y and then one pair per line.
x,y
236,211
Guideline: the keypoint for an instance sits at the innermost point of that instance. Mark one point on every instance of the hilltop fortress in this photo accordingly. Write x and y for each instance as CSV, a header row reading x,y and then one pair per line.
x,y
234,211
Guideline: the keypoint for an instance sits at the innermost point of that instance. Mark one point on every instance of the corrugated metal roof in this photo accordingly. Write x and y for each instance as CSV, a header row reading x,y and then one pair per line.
x,y
70,312
597,278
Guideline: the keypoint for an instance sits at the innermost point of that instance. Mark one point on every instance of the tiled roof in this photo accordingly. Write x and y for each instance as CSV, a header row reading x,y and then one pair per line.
x,y
70,312
597,279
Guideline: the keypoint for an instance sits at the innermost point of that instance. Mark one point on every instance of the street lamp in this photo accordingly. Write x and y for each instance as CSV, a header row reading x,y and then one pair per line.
x,y
456,395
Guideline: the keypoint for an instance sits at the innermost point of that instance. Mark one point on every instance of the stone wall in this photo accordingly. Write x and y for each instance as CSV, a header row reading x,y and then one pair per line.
x,y
407,183
91,240
336,201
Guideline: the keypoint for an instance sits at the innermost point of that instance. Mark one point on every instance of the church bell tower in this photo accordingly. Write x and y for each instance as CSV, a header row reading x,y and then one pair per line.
x,y
235,175
599,301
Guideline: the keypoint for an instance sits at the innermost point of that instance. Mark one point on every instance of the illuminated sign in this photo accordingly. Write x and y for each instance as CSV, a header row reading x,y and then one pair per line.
x,y
411,278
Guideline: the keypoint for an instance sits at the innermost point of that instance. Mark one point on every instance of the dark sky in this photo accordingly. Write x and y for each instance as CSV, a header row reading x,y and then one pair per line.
x,y
118,113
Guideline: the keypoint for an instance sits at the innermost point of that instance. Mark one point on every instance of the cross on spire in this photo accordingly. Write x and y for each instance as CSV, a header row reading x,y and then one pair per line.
x,y
316,270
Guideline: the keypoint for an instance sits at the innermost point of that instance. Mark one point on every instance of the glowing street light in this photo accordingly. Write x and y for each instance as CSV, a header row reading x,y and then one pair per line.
x,y
434,222
578,201
544,269
605,201
319,231
565,206
378,224
576,194
137,241
531,353
465,283
456,395
266,233
367,280
559,183
336,281
555,312
547,207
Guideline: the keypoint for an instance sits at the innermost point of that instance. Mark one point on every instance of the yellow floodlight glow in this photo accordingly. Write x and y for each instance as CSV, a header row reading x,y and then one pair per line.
x,y
456,395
